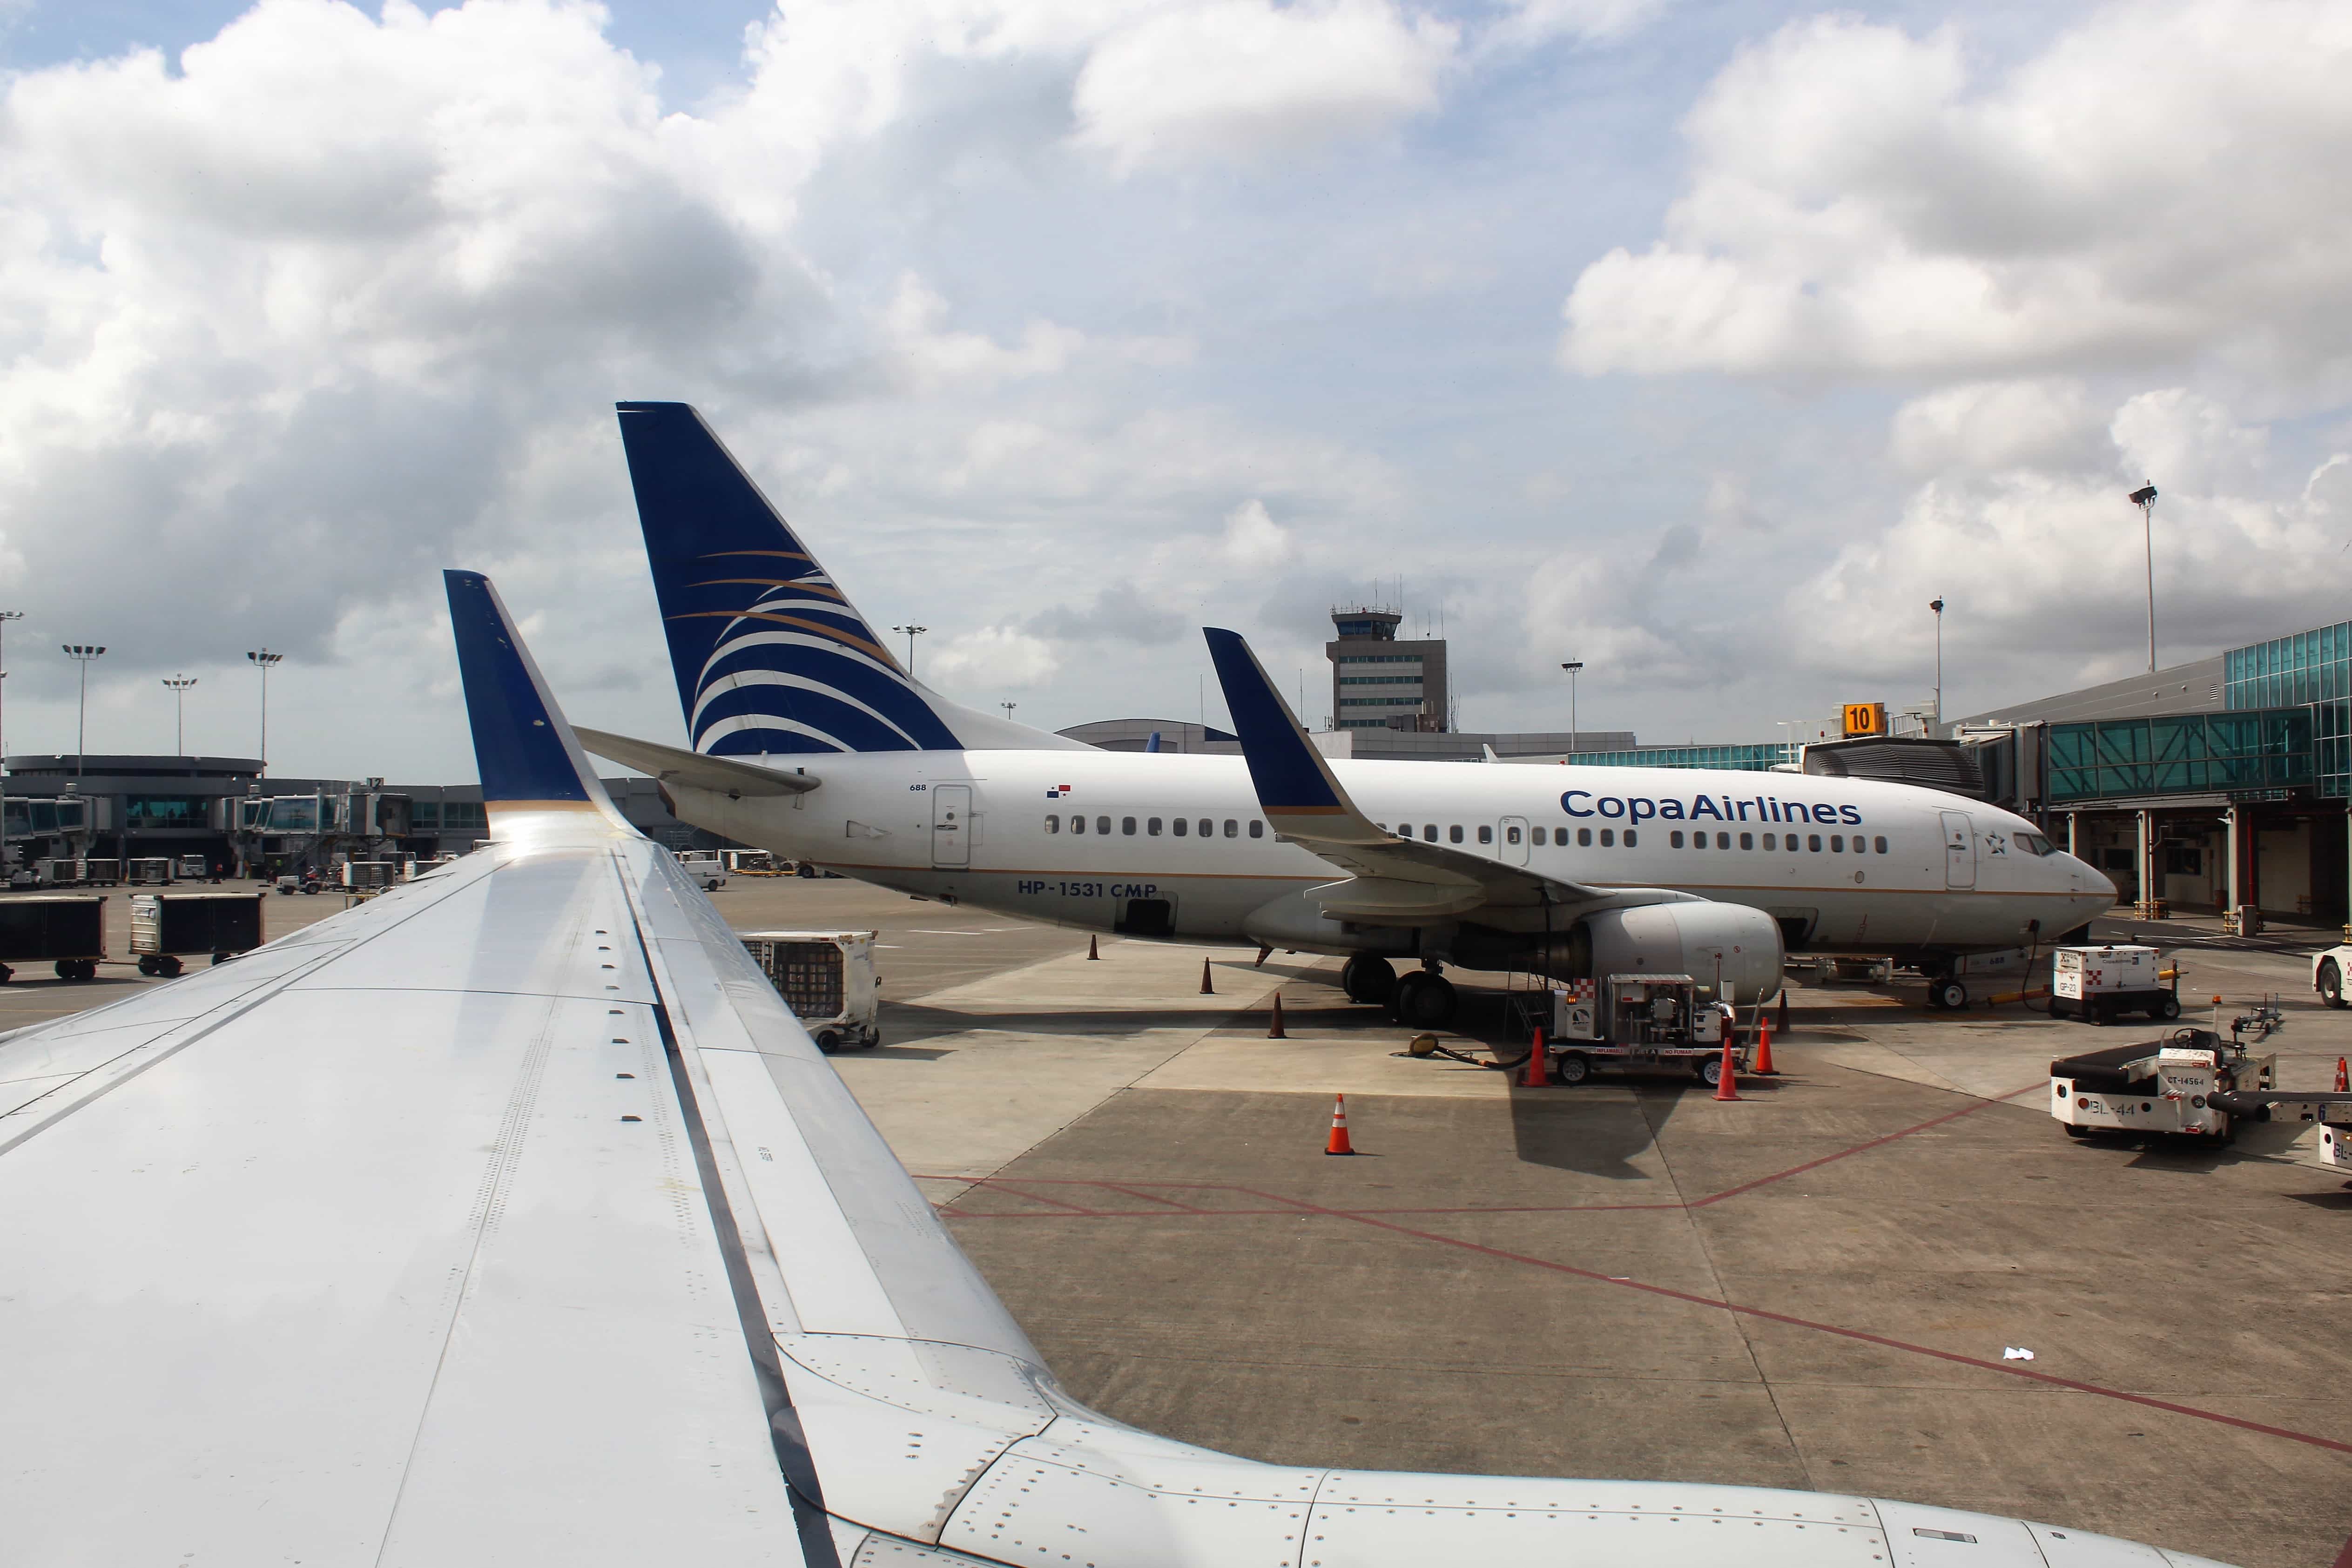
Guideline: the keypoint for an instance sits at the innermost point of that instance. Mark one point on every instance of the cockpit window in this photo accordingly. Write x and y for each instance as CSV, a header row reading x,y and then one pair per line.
x,y
2033,843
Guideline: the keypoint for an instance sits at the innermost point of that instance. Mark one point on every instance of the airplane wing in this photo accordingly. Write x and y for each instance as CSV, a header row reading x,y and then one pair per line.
x,y
1394,881
509,1217
671,763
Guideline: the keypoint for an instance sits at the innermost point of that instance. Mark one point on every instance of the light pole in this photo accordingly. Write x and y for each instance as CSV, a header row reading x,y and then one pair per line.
x,y
265,658
5,616
1571,667
913,633
178,685
1008,708
2145,499
1937,605
81,653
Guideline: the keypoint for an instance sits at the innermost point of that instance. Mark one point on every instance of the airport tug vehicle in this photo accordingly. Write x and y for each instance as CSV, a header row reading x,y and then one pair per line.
x,y
2328,970
2191,1084
2099,985
1642,1020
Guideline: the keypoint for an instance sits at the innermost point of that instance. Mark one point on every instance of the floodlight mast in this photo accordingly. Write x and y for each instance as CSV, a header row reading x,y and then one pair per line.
x,y
81,653
913,633
2145,499
5,616
1571,666
1937,605
264,658
178,685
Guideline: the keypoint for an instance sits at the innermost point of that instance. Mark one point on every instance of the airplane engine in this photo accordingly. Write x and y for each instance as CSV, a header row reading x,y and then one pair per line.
x,y
1685,938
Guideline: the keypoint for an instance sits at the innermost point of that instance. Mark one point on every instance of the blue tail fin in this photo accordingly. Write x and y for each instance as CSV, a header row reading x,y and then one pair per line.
x,y
528,759
770,654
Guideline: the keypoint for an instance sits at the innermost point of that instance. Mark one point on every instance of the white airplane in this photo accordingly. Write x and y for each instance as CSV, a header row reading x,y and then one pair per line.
x,y
809,739
509,1217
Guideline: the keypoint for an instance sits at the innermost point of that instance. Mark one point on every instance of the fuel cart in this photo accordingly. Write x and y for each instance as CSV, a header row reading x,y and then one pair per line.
x,y
827,978
168,926
2099,985
1645,1021
66,930
2191,1083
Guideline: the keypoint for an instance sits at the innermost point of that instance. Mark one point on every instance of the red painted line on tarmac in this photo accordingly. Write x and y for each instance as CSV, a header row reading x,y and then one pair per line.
x,y
2344,1558
1766,1314
1149,1198
995,1186
1864,1148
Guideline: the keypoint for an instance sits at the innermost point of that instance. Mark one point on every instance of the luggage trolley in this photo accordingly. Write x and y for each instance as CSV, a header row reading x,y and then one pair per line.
x,y
827,978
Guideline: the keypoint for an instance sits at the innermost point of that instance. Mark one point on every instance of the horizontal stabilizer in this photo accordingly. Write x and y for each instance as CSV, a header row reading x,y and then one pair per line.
x,y
671,764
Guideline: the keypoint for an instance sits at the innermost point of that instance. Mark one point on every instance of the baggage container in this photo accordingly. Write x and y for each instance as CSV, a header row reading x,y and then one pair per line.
x,y
97,872
827,978
192,868
66,929
166,925
61,872
358,874
151,869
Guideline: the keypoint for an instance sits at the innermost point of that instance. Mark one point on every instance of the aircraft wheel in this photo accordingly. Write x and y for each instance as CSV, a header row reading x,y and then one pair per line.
x,y
1573,1068
1368,979
1948,995
2331,983
1424,1000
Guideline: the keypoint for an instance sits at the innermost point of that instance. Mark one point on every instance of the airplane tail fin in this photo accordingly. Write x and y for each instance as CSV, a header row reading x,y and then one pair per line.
x,y
1296,787
770,657
535,776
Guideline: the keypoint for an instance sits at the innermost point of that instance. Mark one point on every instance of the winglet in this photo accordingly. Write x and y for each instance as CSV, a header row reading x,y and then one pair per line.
x,y
1296,787
532,768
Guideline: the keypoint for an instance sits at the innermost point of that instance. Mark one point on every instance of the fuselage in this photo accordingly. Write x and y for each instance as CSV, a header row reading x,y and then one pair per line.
x,y
1175,845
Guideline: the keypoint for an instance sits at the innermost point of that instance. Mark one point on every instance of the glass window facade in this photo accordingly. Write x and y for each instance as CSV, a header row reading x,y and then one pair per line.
x,y
2182,754
2313,667
1761,758
186,813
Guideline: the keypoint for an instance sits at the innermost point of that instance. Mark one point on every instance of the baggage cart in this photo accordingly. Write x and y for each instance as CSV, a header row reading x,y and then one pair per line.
x,y
827,978
167,927
2100,985
1641,1021
150,869
64,929
102,873
192,868
61,872
368,874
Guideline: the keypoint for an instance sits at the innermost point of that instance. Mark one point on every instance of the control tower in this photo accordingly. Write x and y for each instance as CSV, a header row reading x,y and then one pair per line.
x,y
1378,682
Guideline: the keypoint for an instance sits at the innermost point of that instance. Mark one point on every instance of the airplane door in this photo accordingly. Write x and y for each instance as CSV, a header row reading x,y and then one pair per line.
x,y
1513,831
1959,851
950,826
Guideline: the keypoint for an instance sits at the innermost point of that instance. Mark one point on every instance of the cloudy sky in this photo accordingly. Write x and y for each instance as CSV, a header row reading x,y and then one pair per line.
x,y
1705,342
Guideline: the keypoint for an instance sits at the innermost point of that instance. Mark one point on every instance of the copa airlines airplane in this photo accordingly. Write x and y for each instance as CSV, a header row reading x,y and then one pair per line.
x,y
509,1217
809,739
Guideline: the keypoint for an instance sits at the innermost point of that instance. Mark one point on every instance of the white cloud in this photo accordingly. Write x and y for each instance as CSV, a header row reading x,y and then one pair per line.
x,y
1243,79
1983,427
1533,22
2161,182
1253,541
994,658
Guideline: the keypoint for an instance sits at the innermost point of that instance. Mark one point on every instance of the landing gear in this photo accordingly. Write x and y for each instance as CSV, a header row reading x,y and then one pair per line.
x,y
1423,999
1368,979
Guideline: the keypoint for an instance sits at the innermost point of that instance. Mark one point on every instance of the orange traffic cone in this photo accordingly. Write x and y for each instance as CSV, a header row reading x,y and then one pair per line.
x,y
1763,1068
2343,1077
1539,1072
1206,989
1339,1143
1727,1087
1276,1032
1094,954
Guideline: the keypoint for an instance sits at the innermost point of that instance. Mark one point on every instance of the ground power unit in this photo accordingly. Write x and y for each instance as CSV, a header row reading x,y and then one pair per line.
x,y
2099,985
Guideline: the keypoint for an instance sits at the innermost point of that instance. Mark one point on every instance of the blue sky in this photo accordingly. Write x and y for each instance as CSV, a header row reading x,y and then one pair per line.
x,y
1703,343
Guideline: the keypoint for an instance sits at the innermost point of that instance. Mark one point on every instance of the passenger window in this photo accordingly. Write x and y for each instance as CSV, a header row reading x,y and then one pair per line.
x,y
1607,838
1257,829
1053,824
1151,828
1584,838
1837,844
1540,835
1487,834
1880,844
1674,840
1511,835
1180,824
1205,826
1813,842
1453,834
1632,838
1429,832
1126,826
1233,828
1747,841
1078,825
1405,830
1768,841
1102,825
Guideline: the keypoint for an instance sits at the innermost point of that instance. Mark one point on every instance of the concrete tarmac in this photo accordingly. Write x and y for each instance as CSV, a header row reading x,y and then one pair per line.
x,y
1812,1287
